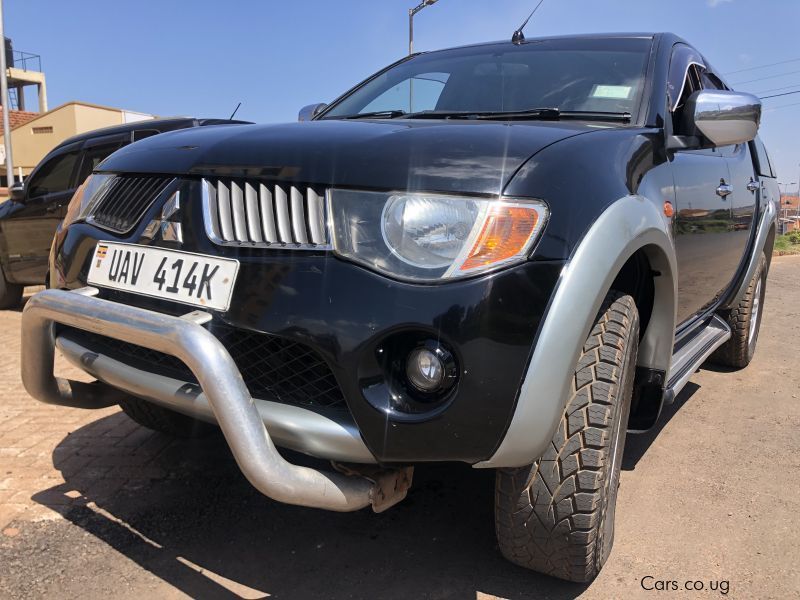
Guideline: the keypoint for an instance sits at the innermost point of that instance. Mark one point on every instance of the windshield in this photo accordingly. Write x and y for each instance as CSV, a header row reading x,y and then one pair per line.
x,y
593,75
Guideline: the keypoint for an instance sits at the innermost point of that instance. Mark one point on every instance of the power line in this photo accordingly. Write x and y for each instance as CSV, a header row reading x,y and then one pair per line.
x,y
767,77
782,106
778,89
776,95
783,62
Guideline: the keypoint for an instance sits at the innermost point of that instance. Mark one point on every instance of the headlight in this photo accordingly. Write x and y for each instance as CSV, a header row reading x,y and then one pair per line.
x,y
86,198
429,237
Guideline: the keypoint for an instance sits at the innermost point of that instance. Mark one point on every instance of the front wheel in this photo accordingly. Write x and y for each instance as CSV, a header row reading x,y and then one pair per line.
x,y
556,516
10,293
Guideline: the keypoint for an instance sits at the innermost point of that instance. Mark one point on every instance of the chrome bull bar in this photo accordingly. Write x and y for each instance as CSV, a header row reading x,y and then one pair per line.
x,y
220,380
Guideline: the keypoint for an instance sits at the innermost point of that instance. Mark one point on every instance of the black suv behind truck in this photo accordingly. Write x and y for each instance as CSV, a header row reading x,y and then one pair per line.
x,y
30,218
507,254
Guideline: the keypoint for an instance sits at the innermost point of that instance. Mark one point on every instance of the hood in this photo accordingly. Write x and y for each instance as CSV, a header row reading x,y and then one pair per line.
x,y
448,156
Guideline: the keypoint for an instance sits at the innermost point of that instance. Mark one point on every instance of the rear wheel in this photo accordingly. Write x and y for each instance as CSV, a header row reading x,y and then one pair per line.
x,y
164,420
10,293
556,516
745,322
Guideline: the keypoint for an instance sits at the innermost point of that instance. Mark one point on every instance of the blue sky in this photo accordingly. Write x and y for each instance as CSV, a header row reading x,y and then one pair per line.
x,y
202,57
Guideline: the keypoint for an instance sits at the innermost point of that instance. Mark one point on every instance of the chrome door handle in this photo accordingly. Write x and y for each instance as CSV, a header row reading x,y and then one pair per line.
x,y
724,189
752,186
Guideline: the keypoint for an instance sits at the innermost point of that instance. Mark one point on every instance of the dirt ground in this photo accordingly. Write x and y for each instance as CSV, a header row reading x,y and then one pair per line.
x,y
93,506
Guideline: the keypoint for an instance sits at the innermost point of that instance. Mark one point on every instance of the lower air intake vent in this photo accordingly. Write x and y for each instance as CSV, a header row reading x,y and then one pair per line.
x,y
251,213
272,367
126,200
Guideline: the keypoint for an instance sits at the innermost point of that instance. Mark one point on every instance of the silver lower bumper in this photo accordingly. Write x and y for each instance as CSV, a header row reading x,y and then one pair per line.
x,y
223,392
290,427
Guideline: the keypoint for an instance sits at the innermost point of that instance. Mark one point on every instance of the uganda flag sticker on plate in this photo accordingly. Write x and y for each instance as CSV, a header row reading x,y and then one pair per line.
x,y
100,253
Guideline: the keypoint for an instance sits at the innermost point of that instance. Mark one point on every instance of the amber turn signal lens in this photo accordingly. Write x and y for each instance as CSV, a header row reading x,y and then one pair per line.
x,y
669,210
505,234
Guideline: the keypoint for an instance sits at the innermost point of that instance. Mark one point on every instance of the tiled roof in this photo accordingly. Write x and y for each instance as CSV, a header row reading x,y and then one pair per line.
x,y
16,118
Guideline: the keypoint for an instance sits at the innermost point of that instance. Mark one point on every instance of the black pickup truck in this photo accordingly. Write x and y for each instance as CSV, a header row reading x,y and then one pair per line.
x,y
506,254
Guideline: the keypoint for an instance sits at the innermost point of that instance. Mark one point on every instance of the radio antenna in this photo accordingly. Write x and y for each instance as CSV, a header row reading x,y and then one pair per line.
x,y
519,37
235,110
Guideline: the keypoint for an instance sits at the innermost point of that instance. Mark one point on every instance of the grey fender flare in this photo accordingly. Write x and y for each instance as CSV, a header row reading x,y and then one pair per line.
x,y
629,224
768,217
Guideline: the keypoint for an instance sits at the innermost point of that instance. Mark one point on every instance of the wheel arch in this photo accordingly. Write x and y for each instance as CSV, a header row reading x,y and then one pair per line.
x,y
631,230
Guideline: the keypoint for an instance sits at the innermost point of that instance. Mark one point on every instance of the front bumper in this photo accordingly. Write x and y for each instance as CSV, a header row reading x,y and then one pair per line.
x,y
351,317
222,393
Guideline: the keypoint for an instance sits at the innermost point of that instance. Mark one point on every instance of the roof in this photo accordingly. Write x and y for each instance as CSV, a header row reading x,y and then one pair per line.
x,y
581,36
18,118
162,125
73,102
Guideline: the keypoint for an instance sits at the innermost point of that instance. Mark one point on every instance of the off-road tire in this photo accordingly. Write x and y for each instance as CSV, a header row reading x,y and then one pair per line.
x,y
164,420
10,293
556,516
738,351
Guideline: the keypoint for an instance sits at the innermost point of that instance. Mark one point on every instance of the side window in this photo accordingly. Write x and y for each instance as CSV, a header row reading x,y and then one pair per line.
x,y
141,134
711,81
94,156
54,176
764,166
411,95
691,84
683,57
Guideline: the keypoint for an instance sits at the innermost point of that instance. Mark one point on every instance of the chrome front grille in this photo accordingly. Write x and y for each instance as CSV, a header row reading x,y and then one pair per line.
x,y
252,213
125,201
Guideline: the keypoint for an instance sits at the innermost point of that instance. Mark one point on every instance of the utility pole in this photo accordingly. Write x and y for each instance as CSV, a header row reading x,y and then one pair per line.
x,y
4,93
411,13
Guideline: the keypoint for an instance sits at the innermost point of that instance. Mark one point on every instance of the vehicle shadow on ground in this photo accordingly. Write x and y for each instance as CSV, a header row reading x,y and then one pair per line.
x,y
636,445
183,511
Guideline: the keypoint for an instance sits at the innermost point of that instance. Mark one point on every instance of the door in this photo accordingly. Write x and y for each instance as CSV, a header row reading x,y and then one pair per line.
x,y
706,241
705,238
744,197
745,189
27,232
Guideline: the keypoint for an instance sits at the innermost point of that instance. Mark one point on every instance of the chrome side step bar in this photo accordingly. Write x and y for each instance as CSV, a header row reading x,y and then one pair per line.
x,y
220,380
693,353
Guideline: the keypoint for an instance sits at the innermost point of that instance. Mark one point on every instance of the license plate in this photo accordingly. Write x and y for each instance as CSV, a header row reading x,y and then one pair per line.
x,y
184,277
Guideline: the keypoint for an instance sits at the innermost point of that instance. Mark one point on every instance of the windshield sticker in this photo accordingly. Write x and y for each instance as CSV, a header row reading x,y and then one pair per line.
x,y
618,92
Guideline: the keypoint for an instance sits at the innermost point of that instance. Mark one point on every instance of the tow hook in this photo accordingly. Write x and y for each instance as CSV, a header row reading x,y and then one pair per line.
x,y
389,487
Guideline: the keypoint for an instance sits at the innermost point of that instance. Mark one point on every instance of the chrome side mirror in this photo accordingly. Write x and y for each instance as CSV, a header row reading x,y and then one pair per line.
x,y
309,112
722,117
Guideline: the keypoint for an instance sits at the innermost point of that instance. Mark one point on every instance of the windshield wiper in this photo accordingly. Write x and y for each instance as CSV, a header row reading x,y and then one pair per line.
x,y
533,113
543,114
596,115
378,114
552,114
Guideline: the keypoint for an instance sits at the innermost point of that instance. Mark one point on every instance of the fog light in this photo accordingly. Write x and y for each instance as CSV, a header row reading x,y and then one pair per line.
x,y
425,370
